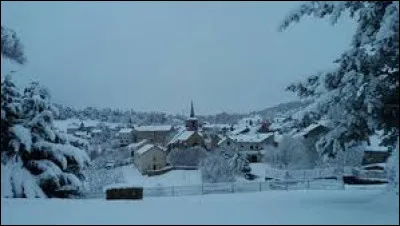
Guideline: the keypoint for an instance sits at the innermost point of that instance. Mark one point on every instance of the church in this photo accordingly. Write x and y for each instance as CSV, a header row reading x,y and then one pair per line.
x,y
189,136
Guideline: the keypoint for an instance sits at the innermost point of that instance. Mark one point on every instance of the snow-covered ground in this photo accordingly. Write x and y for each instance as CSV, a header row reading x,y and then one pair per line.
x,y
271,207
62,125
171,178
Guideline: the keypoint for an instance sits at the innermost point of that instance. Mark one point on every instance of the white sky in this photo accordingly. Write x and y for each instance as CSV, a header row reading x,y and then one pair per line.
x,y
157,56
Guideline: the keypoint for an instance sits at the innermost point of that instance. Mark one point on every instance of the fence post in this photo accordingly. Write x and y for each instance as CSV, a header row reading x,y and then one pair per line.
x,y
232,187
308,184
202,188
260,186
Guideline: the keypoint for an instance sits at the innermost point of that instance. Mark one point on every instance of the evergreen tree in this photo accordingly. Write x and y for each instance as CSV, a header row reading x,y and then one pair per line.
x,y
10,114
360,95
55,163
11,46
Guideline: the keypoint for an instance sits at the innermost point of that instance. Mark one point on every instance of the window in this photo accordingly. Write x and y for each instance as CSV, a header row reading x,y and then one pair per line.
x,y
251,147
228,143
154,158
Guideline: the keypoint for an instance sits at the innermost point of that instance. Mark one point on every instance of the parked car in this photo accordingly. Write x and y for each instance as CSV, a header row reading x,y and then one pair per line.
x,y
250,176
110,164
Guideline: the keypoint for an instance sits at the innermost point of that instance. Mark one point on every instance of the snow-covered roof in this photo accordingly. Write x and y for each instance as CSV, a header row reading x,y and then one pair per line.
x,y
144,149
251,152
278,137
125,130
183,135
374,144
96,131
147,147
81,133
134,146
154,128
305,131
256,138
221,141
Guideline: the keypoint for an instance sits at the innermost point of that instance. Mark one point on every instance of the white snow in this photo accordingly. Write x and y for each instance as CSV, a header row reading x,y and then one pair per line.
x,y
251,137
125,130
171,178
272,207
374,144
144,149
63,125
24,135
182,136
154,128
134,146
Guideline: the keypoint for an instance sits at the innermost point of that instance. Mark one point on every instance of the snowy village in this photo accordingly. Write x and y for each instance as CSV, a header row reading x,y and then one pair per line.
x,y
329,155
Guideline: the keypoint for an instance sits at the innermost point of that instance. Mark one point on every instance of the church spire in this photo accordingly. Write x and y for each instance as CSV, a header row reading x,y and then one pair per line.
x,y
191,109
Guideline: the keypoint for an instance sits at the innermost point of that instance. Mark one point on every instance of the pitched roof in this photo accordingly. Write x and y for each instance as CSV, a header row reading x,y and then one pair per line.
x,y
144,149
183,135
125,130
251,137
154,128
148,147
137,145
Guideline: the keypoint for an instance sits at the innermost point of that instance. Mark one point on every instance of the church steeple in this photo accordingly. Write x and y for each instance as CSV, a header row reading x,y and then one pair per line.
x,y
191,123
191,109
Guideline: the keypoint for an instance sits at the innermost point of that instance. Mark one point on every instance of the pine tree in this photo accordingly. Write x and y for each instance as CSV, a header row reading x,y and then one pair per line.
x,y
360,95
55,163
11,46
10,114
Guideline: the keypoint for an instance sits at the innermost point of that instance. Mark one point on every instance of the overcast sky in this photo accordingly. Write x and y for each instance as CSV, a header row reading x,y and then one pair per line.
x,y
157,56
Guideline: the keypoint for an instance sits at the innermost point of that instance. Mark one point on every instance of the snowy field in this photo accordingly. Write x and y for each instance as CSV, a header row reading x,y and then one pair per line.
x,y
62,125
171,178
272,207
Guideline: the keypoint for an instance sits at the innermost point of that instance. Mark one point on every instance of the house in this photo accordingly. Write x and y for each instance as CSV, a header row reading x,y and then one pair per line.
x,y
150,157
264,127
96,133
252,144
215,128
184,139
82,134
374,153
211,141
189,136
312,133
155,134
135,146
125,136
225,143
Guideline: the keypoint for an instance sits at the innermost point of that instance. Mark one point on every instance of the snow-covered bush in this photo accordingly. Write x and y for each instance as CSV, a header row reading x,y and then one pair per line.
x,y
237,161
97,179
215,169
291,153
186,157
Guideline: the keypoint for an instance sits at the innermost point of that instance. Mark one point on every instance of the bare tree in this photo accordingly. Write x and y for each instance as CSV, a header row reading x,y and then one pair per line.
x,y
187,157
290,154
215,169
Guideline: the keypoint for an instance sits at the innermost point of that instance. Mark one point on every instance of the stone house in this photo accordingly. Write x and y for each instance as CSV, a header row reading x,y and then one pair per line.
x,y
150,157
251,144
125,136
185,139
154,134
